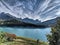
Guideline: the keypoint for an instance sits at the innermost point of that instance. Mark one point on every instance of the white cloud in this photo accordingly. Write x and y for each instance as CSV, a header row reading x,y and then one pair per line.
x,y
19,12
58,13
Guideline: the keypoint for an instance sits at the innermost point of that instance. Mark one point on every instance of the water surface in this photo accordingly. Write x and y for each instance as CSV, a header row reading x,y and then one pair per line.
x,y
34,33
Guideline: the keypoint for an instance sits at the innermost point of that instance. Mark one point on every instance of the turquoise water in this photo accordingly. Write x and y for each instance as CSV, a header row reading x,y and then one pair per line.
x,y
34,33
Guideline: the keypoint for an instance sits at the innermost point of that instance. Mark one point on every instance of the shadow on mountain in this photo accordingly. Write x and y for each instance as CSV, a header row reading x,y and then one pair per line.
x,y
10,21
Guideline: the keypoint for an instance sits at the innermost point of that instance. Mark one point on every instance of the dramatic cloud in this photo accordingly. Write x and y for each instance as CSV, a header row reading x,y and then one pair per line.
x,y
35,9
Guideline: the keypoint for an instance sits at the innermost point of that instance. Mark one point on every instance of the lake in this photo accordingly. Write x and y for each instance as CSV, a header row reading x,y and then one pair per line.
x,y
33,33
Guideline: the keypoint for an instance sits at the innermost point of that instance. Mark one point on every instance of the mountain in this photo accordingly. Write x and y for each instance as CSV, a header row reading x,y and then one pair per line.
x,y
5,16
7,20
51,22
13,21
27,20
42,10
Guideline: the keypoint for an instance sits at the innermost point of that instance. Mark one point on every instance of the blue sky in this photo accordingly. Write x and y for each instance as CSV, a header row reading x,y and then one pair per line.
x,y
34,9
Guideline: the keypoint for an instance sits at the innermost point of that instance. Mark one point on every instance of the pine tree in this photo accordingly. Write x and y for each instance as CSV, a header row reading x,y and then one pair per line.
x,y
54,37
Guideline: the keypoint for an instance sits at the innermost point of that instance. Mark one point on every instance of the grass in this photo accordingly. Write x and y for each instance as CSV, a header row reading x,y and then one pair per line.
x,y
21,41
24,41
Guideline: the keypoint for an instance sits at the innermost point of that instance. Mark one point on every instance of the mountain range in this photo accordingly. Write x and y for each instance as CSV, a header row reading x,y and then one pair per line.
x,y
27,21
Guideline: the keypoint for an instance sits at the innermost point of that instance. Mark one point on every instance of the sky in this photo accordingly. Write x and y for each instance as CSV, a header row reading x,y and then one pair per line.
x,y
42,10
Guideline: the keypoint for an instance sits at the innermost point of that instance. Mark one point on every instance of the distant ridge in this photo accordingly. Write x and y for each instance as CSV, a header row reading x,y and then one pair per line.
x,y
5,16
27,21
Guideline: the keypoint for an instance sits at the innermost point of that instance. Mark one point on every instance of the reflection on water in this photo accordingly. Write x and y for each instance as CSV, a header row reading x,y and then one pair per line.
x,y
34,33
